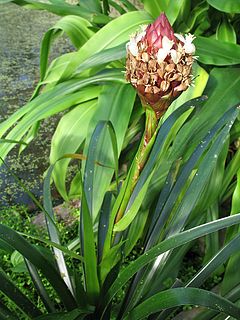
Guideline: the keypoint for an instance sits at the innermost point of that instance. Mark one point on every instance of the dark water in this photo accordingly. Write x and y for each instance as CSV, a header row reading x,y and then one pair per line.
x,y
21,31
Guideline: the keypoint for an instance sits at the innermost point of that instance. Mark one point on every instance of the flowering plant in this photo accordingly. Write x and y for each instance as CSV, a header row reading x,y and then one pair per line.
x,y
151,196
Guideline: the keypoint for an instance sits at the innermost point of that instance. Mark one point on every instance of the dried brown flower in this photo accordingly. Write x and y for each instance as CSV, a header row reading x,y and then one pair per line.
x,y
159,63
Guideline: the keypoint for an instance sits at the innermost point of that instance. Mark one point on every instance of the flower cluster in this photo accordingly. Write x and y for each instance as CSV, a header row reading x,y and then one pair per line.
x,y
159,63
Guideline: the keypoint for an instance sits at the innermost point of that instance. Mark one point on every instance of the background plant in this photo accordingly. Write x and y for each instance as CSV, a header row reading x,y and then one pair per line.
x,y
190,177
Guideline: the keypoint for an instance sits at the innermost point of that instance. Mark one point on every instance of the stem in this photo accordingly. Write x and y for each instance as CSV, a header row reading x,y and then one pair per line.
x,y
140,158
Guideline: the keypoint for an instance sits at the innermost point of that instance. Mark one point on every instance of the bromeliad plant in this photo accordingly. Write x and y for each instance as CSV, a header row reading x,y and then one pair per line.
x,y
176,177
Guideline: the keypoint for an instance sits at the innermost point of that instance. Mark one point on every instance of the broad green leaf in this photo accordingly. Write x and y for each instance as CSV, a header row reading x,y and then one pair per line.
x,y
225,32
63,9
219,53
183,296
102,57
230,6
69,135
113,34
52,101
166,245
76,28
171,8
92,5
192,20
115,105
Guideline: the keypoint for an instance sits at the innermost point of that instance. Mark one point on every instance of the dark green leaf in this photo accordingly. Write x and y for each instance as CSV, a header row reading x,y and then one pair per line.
x,y
230,6
166,245
182,296
40,261
18,298
226,32
37,281
171,8
53,231
219,53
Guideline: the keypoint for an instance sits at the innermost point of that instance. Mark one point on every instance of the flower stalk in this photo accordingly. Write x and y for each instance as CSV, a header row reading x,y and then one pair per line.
x,y
159,64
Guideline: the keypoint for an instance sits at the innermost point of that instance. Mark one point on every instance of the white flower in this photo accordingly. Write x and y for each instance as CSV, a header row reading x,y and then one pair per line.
x,y
165,50
175,56
132,45
188,46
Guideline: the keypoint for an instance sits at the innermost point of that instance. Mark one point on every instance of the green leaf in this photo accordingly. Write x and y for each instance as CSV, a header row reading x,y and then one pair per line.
x,y
222,90
211,51
112,100
70,133
12,141
53,231
171,8
52,101
171,221
113,34
88,250
166,245
63,9
230,277
37,281
76,28
76,314
102,57
225,32
200,82
182,296
230,6
221,256
5,313
92,5
17,259
18,298
40,261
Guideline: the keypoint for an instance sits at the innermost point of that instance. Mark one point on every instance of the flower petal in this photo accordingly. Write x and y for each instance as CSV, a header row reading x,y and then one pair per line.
x,y
167,43
132,47
179,37
189,47
161,55
174,56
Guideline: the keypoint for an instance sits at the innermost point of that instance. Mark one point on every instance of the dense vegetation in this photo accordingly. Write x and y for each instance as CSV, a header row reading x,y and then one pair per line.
x,y
123,257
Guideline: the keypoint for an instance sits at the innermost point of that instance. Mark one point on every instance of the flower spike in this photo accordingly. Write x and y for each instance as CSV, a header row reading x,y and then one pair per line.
x,y
159,63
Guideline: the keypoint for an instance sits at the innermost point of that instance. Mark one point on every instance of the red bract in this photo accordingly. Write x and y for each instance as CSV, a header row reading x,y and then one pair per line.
x,y
156,31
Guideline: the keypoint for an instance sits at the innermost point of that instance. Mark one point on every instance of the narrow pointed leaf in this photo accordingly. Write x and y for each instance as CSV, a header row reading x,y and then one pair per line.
x,y
182,296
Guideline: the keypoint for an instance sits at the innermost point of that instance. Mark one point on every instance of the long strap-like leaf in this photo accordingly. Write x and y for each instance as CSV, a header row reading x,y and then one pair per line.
x,y
41,262
182,296
168,244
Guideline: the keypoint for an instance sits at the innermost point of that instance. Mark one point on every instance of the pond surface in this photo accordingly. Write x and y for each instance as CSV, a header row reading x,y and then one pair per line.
x,y
20,39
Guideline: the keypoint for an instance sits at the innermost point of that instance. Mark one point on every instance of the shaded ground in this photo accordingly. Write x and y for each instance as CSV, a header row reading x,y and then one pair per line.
x,y
20,39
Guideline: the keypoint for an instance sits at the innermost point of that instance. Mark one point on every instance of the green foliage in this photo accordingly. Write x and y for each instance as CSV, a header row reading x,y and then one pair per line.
x,y
180,194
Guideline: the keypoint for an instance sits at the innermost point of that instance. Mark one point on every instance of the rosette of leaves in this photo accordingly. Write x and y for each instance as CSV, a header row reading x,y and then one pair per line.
x,y
187,175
